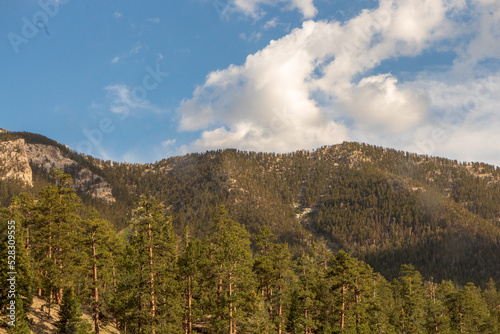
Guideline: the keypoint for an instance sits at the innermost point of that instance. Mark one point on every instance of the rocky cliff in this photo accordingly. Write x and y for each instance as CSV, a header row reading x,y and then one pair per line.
x,y
17,156
14,162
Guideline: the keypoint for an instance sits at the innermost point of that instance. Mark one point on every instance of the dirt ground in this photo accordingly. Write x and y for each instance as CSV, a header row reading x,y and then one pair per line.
x,y
43,323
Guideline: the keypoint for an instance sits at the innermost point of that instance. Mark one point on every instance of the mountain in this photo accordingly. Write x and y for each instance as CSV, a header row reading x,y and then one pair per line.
x,y
384,206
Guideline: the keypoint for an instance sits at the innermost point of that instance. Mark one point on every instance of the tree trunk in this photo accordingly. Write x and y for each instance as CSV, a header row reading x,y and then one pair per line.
x,y
343,308
280,307
230,305
306,329
189,321
151,283
270,299
96,291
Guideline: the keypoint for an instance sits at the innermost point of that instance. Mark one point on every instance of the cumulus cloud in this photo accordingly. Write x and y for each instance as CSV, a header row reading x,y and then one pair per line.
x,y
377,104
264,104
316,85
466,120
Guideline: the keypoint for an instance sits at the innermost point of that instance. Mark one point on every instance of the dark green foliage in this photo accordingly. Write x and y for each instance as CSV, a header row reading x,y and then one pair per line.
x,y
21,326
409,316
233,292
273,270
383,207
148,295
56,237
70,315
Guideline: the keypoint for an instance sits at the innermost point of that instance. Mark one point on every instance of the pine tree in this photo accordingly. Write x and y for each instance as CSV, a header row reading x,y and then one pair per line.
x,y
70,315
97,238
151,271
469,311
55,247
16,259
409,301
272,268
351,288
492,298
437,319
231,257
380,306
21,326
193,263
305,314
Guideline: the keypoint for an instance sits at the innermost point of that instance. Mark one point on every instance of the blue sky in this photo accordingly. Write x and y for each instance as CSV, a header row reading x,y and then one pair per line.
x,y
139,81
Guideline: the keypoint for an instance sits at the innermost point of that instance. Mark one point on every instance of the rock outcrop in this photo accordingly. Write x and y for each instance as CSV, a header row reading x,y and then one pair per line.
x,y
14,162
16,156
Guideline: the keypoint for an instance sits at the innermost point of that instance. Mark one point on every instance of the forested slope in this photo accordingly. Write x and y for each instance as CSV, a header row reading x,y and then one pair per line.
x,y
384,206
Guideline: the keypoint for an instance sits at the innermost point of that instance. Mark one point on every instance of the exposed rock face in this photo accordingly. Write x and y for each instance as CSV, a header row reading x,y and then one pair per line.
x,y
14,162
94,185
48,157
15,158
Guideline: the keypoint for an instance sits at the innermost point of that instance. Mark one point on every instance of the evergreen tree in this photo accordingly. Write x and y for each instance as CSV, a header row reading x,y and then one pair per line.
x,y
492,298
193,264
437,318
380,306
55,249
21,326
409,316
306,304
70,315
469,311
231,259
15,259
350,284
97,238
272,268
150,271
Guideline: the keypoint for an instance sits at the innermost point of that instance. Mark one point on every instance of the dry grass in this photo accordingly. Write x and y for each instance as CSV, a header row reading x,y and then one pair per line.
x,y
43,323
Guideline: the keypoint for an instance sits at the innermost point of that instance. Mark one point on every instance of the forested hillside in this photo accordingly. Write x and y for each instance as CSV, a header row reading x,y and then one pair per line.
x,y
386,208
152,280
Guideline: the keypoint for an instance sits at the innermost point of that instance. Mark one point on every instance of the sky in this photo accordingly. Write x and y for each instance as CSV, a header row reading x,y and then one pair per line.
x,y
139,81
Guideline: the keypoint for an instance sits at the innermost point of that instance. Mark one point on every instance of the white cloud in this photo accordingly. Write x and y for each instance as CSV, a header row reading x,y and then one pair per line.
x,y
254,36
124,100
252,7
272,23
117,15
466,121
115,60
154,20
264,104
315,85
485,42
377,104
168,142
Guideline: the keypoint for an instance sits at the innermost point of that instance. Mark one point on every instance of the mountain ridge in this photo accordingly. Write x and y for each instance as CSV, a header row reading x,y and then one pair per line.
x,y
382,205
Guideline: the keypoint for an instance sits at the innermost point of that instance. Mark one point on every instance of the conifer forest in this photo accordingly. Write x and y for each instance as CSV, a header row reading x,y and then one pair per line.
x,y
345,239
